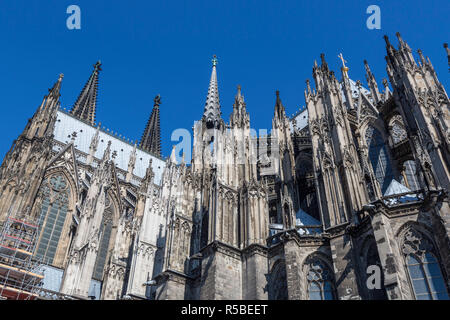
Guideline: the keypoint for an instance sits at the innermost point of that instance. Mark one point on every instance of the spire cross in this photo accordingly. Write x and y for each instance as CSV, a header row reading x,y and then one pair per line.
x,y
214,60
340,56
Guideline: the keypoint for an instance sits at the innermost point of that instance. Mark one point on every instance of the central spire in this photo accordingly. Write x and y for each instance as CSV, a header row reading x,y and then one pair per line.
x,y
212,111
86,104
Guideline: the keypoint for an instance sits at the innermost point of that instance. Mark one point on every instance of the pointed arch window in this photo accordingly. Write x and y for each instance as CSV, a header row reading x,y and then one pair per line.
x,y
410,175
379,158
397,129
55,192
423,267
278,282
320,281
105,232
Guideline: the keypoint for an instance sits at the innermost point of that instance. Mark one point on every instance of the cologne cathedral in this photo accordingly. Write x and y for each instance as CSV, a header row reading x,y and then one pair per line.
x,y
348,199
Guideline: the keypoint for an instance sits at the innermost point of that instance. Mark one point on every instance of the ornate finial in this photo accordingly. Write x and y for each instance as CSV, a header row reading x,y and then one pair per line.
x,y
358,84
308,86
448,53
61,76
97,66
385,83
341,56
157,100
344,67
277,93
214,60
74,135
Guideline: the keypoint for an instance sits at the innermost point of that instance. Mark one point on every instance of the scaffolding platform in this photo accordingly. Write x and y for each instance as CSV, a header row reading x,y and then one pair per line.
x,y
20,274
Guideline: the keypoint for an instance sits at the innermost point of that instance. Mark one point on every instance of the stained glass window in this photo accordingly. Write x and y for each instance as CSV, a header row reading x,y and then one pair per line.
x,y
379,158
423,267
320,285
411,175
398,131
426,278
55,201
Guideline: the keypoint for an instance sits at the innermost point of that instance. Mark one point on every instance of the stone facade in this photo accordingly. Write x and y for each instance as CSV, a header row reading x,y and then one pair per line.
x,y
357,180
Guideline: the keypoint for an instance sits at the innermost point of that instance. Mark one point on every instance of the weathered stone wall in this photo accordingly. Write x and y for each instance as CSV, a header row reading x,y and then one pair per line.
x,y
254,272
342,253
221,277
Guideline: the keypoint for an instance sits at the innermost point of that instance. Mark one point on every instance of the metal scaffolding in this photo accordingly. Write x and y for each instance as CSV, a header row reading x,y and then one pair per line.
x,y
20,274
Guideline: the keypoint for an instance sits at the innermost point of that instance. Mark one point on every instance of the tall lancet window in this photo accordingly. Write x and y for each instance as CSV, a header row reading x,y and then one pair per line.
x,y
410,175
423,267
55,192
379,158
320,281
105,236
277,286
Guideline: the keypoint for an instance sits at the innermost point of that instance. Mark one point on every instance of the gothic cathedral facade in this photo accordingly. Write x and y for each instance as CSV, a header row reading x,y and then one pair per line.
x,y
352,186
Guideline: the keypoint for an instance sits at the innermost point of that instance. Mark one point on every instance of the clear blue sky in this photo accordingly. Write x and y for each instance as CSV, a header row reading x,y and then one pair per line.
x,y
165,47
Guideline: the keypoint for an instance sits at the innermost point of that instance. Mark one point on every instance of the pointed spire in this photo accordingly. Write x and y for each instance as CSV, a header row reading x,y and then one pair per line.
x,y
403,44
93,146
324,63
239,102
151,138
239,117
386,39
149,175
387,91
54,91
279,108
372,83
308,87
421,57
51,100
107,153
239,97
86,104
131,164
448,52
212,111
